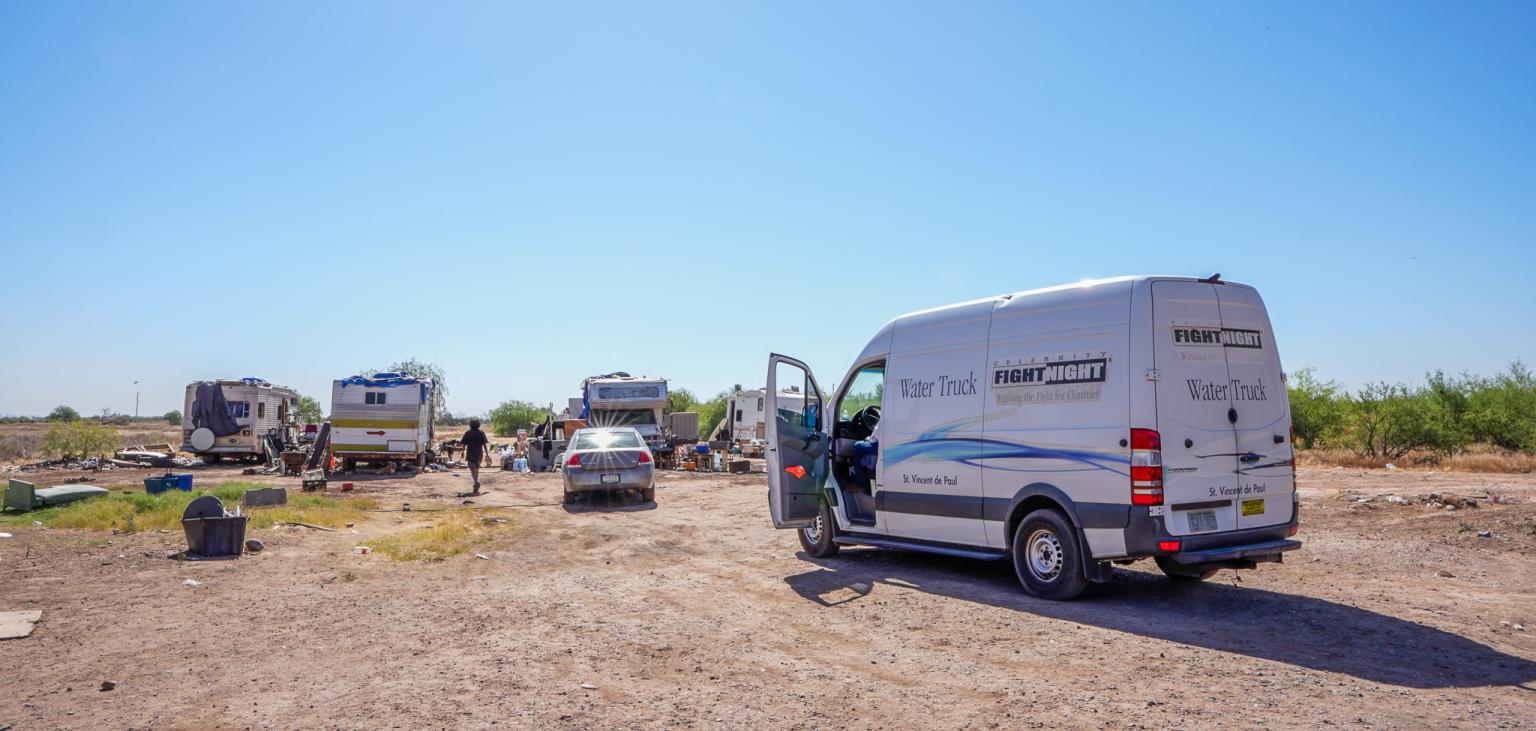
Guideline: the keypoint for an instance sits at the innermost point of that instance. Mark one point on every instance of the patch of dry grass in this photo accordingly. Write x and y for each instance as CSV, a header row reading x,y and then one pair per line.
x,y
129,509
453,533
1477,459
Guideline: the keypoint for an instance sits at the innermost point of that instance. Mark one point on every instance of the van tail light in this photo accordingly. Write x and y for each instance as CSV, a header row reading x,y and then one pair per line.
x,y
574,460
645,457
1146,467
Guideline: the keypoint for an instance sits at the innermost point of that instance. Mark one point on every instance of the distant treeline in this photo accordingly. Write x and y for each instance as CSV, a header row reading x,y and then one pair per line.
x,y
1445,415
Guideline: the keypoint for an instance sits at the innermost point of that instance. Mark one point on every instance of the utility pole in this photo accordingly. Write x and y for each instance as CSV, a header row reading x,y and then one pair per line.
x,y
135,399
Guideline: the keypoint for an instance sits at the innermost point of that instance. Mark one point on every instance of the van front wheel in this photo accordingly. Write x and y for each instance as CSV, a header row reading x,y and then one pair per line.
x,y
1047,557
816,538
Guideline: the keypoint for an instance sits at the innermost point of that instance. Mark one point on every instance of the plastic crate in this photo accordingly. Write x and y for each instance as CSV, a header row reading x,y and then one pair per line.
x,y
161,483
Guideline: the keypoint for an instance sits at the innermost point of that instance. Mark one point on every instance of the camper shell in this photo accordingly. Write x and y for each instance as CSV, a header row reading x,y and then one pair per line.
x,y
1066,428
619,399
382,417
256,410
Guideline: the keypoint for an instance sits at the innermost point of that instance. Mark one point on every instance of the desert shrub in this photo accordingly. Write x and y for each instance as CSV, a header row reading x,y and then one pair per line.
x,y
1502,411
79,440
173,418
308,411
1318,408
1391,419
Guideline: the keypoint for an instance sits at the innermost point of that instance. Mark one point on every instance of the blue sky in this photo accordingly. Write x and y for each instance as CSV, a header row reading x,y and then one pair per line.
x,y
530,194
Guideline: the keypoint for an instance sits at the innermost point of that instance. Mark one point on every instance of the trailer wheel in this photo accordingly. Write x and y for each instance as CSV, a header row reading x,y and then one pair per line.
x,y
348,464
213,458
421,461
817,538
1047,557
1176,571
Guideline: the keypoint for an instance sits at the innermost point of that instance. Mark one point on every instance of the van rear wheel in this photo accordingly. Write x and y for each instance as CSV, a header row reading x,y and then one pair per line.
x,y
1047,557
817,538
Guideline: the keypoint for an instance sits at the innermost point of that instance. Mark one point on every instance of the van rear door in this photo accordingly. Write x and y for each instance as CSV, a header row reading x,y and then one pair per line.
x,y
1266,473
797,444
1194,408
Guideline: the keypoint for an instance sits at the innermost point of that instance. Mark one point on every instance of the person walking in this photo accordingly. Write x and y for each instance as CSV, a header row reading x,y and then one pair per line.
x,y
474,442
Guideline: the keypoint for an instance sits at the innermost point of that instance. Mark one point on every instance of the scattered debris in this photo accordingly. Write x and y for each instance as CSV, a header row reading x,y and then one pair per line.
x,y
1445,574
254,546
1485,534
1391,466
191,582
315,527
107,685
5,535
362,550
588,686
16,625
1396,499
482,557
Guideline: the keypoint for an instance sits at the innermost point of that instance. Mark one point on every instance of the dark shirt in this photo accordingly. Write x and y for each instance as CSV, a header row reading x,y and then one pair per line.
x,y
474,442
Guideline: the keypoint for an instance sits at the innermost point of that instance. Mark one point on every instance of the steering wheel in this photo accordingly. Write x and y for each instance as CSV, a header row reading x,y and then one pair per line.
x,y
868,417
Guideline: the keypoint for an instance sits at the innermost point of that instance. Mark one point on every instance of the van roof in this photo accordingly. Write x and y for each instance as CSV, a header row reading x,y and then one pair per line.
x,y
885,332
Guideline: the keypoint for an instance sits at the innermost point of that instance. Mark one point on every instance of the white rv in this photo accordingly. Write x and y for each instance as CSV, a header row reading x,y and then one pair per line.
x,y
746,413
382,417
619,399
1066,429
234,418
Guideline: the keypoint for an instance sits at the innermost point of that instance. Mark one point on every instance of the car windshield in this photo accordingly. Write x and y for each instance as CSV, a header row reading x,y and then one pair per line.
x,y
607,439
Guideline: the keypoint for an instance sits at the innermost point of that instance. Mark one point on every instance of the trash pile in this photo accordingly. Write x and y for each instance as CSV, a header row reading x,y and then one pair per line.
x,y
1436,500
95,464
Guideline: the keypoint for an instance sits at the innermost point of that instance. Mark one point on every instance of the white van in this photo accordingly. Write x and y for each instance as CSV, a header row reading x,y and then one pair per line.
x,y
1067,428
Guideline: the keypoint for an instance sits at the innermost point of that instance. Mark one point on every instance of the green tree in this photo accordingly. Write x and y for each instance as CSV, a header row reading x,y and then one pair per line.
x,y
421,369
80,440
1317,407
1391,420
680,400
63,413
1502,411
172,417
710,414
308,411
510,416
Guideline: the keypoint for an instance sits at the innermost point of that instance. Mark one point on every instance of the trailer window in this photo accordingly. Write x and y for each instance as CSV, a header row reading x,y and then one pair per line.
x,y
374,397
239,409
261,410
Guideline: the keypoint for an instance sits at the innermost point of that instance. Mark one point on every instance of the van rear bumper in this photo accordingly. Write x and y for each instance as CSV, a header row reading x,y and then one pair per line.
x,y
1257,551
1144,531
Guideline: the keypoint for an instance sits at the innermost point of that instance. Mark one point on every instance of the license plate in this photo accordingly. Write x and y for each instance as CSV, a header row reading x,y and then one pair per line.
x,y
606,479
1253,507
1202,520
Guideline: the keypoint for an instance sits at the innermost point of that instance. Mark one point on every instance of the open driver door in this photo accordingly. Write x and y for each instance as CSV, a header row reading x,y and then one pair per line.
x,y
797,445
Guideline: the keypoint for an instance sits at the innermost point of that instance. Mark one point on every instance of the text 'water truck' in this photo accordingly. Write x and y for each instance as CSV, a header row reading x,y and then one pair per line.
x,y
619,399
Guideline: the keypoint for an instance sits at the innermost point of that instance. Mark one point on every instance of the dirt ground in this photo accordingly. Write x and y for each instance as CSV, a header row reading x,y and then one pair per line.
x,y
694,613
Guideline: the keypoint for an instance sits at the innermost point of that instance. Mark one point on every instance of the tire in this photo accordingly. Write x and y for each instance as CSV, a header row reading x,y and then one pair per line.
x,y
1047,557
817,539
1176,571
570,498
213,458
648,495
421,461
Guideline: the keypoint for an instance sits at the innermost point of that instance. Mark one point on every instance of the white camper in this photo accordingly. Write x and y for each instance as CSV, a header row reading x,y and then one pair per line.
x,y
619,399
1065,429
382,417
234,418
746,413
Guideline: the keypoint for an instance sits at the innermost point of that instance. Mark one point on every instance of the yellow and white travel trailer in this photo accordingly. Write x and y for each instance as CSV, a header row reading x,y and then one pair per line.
x,y
382,417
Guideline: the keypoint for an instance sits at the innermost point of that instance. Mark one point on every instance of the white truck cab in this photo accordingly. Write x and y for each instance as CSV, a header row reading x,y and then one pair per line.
x,y
1067,429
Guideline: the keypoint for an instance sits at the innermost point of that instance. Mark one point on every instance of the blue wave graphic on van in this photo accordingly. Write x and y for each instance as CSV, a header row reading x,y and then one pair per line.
x,y
971,451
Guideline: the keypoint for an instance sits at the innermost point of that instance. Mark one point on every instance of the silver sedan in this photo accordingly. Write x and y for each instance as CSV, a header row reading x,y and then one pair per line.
x,y
604,459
